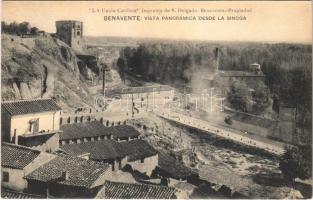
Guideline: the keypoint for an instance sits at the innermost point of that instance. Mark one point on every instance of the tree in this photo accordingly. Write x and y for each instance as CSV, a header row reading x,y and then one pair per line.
x,y
238,96
276,103
4,27
297,162
121,64
13,28
34,31
23,28
261,96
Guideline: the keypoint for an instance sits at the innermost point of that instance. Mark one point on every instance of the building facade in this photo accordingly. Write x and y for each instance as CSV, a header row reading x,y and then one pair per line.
x,y
70,32
17,162
29,117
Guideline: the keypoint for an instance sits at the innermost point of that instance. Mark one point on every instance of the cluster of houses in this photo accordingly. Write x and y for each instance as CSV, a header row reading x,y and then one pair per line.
x,y
41,157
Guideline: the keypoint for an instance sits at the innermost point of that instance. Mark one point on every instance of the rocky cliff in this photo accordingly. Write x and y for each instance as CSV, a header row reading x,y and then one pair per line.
x,y
42,67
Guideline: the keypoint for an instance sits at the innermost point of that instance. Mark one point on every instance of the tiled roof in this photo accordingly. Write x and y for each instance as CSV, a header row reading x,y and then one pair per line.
x,y
233,73
135,90
109,149
35,140
173,167
137,149
10,194
116,190
124,131
30,106
81,172
86,129
99,150
17,157
94,129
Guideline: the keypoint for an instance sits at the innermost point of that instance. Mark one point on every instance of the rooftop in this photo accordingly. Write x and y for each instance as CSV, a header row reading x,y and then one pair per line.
x,y
81,172
116,190
11,194
17,157
124,131
98,150
32,140
86,129
30,106
110,149
137,149
135,90
232,73
94,129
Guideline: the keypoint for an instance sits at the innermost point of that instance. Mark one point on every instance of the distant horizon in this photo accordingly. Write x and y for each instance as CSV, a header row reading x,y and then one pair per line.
x,y
187,39
203,40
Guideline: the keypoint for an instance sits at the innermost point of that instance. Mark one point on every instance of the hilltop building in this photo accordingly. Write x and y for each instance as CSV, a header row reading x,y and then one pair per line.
x,y
33,123
70,32
249,76
225,77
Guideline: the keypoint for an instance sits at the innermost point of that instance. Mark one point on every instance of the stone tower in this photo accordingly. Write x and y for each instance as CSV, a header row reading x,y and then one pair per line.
x,y
70,32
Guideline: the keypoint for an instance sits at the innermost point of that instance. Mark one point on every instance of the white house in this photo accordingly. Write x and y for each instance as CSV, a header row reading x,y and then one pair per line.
x,y
29,117
17,162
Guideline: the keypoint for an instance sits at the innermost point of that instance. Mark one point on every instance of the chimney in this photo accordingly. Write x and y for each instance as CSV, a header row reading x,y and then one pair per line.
x,y
217,58
15,137
65,175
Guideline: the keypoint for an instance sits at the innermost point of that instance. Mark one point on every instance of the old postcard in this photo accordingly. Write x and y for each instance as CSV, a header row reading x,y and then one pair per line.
x,y
156,99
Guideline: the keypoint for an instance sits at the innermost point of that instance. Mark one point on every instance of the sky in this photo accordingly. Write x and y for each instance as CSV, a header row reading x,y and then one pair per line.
x,y
282,21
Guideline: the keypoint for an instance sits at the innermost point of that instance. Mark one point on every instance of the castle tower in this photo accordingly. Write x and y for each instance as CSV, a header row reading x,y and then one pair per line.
x,y
70,32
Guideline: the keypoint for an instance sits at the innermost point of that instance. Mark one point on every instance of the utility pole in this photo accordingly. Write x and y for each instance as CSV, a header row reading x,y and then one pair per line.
x,y
103,80
132,105
41,83
104,69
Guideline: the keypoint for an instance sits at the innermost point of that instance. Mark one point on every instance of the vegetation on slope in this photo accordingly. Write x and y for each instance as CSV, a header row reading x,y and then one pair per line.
x,y
41,66
287,68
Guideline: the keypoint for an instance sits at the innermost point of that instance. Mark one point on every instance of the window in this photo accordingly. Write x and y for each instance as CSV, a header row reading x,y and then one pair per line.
x,y
78,33
34,125
5,176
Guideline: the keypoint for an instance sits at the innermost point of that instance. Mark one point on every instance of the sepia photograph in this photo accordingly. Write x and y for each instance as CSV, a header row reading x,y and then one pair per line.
x,y
156,99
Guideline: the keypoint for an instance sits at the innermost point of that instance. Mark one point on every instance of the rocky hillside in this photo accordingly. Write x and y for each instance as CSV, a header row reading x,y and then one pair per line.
x,y
42,66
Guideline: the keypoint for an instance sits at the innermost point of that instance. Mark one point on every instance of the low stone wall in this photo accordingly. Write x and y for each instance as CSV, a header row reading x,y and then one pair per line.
x,y
71,119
